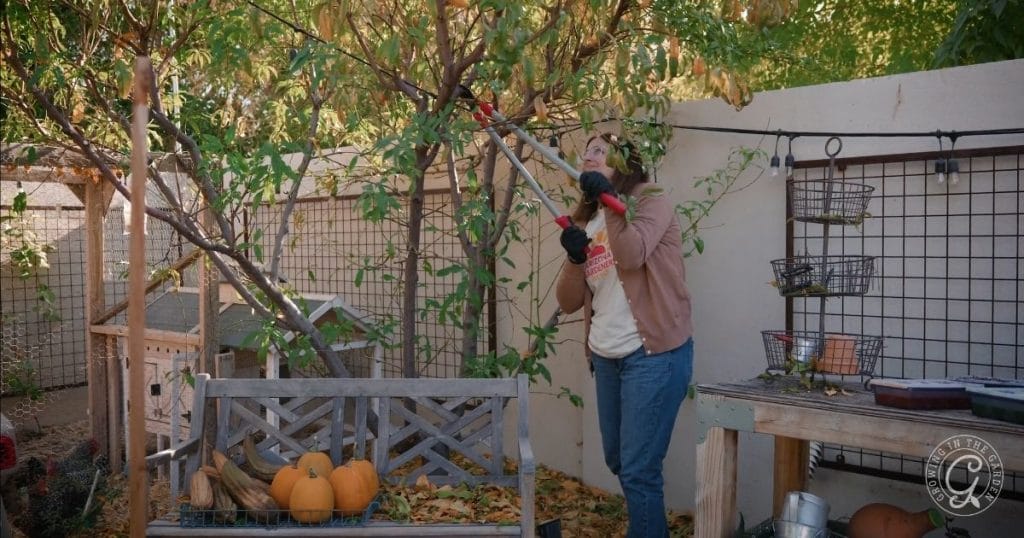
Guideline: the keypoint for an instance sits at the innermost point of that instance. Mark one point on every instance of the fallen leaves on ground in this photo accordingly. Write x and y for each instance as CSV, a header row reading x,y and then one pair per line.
x,y
583,511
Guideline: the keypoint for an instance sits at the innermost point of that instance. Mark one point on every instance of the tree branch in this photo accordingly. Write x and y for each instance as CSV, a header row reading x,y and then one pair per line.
x,y
293,194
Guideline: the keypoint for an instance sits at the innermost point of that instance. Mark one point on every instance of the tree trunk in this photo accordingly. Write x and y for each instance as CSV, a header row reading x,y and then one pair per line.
x,y
411,277
472,312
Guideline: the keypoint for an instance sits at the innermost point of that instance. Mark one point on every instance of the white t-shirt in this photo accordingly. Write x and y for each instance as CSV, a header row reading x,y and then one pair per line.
x,y
613,332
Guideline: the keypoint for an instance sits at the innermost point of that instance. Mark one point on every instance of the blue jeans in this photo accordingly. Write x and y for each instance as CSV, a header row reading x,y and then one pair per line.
x,y
638,398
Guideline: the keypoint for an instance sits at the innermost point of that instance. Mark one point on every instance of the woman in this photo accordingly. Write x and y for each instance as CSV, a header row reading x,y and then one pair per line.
x,y
628,277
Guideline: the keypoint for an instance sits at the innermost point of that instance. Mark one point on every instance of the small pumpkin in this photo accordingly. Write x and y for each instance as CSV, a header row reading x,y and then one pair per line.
x,y
312,499
283,483
318,461
369,472
352,492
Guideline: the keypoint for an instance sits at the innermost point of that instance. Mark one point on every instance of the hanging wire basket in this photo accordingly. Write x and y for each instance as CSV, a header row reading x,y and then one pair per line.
x,y
829,353
823,276
829,202
194,517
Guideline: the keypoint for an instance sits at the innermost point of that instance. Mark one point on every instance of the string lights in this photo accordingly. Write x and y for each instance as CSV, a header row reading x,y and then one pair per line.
x,y
774,163
947,166
790,160
940,165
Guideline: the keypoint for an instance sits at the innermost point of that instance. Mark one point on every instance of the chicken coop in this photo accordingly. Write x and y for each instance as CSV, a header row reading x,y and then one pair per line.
x,y
172,350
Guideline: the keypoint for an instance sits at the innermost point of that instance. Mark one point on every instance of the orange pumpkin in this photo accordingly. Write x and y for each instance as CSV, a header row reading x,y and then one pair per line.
x,y
369,472
312,499
318,461
284,481
352,492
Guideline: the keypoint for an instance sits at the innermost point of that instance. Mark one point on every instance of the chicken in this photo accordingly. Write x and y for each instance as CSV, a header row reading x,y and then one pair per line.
x,y
59,490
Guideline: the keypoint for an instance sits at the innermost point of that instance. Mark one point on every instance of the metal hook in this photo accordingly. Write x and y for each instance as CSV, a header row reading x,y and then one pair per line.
x,y
832,154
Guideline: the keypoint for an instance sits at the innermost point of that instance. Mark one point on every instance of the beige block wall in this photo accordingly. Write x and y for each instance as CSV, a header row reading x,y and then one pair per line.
x,y
732,300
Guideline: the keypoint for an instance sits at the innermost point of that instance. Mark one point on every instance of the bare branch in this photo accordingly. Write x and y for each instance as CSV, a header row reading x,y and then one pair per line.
x,y
456,194
289,206
204,183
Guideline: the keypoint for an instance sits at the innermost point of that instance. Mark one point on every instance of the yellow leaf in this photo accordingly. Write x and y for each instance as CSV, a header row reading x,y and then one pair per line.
x,y
325,22
541,107
423,483
78,113
459,4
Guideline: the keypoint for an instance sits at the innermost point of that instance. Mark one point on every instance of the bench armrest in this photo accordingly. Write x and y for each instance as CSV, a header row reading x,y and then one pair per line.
x,y
177,453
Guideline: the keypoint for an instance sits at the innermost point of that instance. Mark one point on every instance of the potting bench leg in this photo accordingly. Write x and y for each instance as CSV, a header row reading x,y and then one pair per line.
x,y
790,474
716,484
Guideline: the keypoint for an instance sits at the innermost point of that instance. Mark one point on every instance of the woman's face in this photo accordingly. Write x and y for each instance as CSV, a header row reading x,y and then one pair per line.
x,y
595,158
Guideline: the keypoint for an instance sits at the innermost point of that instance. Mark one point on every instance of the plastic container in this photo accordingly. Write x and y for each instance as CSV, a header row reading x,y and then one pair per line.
x,y
1000,403
921,393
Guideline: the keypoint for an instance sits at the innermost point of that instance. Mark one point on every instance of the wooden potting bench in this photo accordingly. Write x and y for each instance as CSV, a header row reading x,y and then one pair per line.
x,y
451,428
795,417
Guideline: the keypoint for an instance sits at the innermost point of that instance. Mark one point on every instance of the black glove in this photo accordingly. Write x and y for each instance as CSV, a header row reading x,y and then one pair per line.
x,y
594,184
575,241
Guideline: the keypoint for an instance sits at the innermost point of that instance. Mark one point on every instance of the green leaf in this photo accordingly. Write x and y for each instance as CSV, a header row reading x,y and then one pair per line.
x,y
20,202
450,270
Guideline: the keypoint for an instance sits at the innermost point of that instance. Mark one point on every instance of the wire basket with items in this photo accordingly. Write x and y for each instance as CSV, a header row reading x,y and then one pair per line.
x,y
823,276
831,353
829,202
190,516
800,349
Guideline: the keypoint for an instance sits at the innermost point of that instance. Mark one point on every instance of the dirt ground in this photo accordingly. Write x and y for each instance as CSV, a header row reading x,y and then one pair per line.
x,y
56,427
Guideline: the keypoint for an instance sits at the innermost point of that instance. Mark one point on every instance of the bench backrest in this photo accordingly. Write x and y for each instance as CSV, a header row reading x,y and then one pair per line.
x,y
449,429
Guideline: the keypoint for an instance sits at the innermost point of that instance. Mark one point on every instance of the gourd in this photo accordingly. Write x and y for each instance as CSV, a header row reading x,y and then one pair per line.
x,y
312,499
352,492
369,472
200,491
250,493
283,483
880,520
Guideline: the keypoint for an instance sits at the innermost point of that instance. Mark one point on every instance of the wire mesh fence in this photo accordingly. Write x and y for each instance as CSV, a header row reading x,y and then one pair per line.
x,y
947,291
333,250
44,309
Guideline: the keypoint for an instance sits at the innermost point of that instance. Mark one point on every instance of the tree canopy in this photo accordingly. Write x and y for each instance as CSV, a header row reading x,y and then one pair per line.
x,y
238,85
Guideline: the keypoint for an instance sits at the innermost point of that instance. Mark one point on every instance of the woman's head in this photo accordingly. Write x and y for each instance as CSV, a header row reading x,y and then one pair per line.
x,y
619,161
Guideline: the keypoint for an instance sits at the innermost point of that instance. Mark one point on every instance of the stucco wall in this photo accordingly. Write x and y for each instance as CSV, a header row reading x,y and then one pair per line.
x,y
732,301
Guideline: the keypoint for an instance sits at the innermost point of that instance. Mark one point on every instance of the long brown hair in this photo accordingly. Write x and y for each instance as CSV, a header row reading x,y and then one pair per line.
x,y
629,172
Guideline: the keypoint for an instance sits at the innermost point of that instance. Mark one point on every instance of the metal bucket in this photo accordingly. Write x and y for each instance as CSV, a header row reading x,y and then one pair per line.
x,y
806,509
789,529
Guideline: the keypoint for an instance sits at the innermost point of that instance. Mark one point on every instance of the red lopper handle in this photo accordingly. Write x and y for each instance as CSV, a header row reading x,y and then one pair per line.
x,y
611,202
564,221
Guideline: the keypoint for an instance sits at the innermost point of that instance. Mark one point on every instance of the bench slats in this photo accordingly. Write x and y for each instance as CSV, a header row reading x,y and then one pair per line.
x,y
331,387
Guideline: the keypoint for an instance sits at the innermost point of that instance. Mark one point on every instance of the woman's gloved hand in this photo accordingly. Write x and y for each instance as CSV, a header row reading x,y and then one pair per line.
x,y
575,241
594,184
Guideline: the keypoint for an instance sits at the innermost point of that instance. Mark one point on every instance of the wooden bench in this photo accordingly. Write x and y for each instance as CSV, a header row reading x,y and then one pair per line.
x,y
424,421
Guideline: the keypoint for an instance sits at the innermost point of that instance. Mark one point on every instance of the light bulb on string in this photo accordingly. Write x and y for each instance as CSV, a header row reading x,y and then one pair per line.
x,y
790,160
952,165
774,163
940,163
940,170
